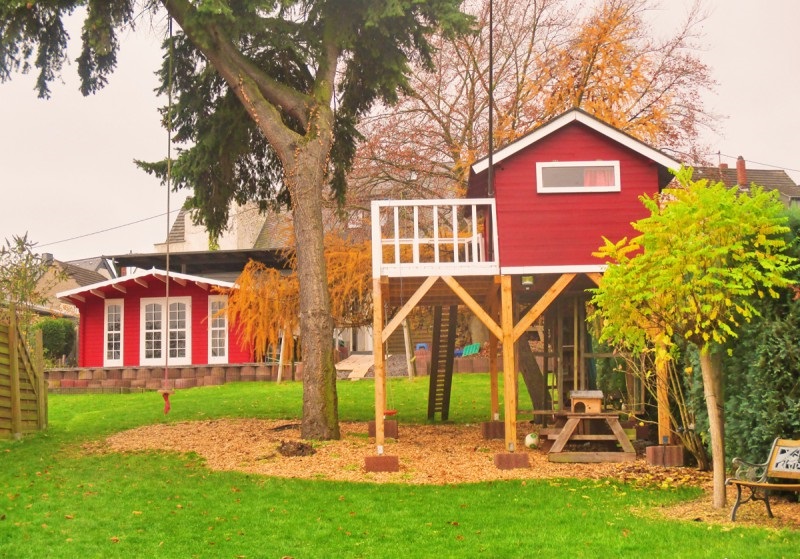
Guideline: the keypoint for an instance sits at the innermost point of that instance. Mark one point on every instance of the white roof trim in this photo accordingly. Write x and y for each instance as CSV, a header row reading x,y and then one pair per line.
x,y
558,269
576,115
153,272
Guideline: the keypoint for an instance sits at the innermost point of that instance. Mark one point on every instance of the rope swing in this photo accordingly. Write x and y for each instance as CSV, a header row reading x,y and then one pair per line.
x,y
165,389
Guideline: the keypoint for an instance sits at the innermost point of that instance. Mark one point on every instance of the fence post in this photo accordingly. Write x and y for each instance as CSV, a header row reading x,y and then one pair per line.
x,y
13,358
41,397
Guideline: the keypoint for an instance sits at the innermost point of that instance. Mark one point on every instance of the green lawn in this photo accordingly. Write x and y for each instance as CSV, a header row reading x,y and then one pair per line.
x,y
57,501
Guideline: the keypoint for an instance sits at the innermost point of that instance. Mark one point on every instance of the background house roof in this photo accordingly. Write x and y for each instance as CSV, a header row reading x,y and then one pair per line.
x,y
177,233
79,274
275,233
219,264
769,179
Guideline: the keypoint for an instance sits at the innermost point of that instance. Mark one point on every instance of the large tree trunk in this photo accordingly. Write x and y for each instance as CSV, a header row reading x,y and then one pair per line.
x,y
711,366
305,178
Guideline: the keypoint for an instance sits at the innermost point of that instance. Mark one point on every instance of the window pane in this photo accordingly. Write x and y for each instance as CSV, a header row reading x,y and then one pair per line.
x,y
218,330
152,331
562,176
113,332
177,330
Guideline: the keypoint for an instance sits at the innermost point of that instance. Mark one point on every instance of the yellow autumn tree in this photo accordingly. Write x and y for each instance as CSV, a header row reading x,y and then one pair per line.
x,y
265,305
613,69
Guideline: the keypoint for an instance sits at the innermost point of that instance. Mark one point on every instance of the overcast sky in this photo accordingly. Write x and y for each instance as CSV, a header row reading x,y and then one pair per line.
x,y
66,164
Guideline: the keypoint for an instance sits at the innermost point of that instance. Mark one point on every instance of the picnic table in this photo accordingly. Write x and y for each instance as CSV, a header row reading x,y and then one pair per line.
x,y
573,427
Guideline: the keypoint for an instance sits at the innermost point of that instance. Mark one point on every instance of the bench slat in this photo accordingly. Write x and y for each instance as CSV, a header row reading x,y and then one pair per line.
x,y
766,485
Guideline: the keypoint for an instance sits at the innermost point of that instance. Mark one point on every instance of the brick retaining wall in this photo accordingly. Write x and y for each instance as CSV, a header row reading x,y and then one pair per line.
x,y
132,379
122,379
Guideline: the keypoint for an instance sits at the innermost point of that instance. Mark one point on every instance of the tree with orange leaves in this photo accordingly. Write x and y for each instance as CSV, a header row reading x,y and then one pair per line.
x,y
265,305
546,60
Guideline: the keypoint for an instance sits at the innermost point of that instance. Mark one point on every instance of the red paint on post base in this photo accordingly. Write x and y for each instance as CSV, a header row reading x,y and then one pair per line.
x,y
382,464
511,460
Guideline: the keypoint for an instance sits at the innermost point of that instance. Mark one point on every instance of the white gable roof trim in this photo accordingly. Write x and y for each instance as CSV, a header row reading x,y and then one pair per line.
x,y
576,115
141,274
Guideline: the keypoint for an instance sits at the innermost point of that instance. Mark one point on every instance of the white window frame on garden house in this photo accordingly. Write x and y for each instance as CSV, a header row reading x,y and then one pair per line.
x,y
113,327
217,325
166,327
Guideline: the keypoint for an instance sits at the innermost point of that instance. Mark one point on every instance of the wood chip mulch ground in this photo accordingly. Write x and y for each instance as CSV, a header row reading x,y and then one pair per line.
x,y
429,454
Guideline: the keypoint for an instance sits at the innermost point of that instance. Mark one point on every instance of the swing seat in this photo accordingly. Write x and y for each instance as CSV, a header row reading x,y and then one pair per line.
x,y
389,412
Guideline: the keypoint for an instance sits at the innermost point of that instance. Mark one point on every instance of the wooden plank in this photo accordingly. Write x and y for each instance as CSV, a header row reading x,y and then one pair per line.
x,y
592,457
494,394
576,437
662,392
603,416
407,308
473,305
509,363
380,367
16,426
542,304
566,433
622,437
596,277
42,382
26,368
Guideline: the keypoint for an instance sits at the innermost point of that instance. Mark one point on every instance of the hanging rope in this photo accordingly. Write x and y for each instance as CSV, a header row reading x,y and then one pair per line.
x,y
165,390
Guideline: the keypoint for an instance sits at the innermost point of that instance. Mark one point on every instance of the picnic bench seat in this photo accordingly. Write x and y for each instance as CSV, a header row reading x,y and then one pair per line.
x,y
783,464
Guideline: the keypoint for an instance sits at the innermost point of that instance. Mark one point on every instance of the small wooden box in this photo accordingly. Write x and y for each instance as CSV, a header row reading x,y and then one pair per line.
x,y
586,401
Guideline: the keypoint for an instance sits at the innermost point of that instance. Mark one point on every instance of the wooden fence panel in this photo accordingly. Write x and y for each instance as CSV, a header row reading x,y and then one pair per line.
x,y
23,395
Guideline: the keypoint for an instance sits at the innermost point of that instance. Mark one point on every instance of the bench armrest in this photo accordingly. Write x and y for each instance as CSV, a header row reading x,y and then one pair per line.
x,y
748,471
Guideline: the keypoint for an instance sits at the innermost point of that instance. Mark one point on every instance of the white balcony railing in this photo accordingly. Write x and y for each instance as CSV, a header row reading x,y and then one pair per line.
x,y
418,238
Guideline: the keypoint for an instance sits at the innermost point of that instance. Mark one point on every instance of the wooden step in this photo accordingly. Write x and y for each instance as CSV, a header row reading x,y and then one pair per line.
x,y
592,457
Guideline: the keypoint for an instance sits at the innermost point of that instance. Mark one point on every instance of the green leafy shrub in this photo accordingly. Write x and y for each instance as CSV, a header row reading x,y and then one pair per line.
x,y
58,337
762,371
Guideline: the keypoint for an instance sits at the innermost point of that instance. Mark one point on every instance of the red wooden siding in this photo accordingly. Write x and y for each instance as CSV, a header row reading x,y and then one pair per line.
x,y
238,352
564,229
91,345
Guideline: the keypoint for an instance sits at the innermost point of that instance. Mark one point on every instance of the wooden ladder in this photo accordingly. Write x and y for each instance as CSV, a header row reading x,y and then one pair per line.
x,y
441,377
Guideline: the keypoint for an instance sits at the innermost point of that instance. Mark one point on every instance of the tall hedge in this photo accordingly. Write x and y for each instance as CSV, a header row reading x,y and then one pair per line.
x,y
58,337
762,372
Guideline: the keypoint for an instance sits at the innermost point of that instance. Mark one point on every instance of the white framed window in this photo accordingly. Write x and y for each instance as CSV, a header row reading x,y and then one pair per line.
x,y
577,176
217,329
112,332
165,331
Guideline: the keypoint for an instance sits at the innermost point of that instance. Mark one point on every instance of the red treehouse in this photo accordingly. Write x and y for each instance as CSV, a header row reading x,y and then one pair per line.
x,y
519,258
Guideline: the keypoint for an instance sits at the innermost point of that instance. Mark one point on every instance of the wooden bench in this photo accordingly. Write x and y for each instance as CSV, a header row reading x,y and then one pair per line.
x,y
783,464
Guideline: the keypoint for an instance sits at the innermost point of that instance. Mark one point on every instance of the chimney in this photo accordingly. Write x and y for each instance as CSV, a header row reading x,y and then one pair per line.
x,y
741,172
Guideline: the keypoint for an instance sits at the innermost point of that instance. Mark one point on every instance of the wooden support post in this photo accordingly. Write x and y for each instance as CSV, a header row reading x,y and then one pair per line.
x,y
509,372
41,383
662,393
577,381
281,358
380,366
13,358
410,356
493,382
